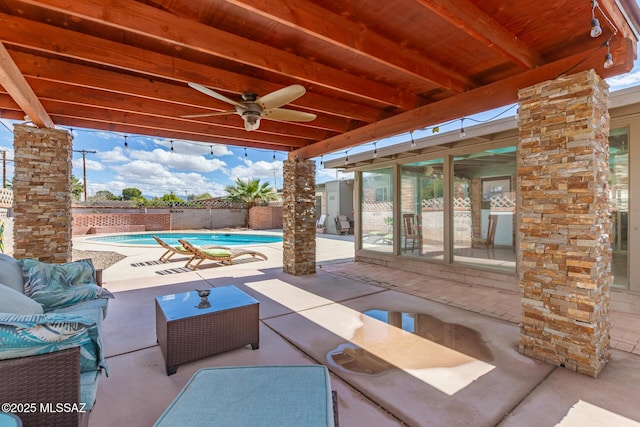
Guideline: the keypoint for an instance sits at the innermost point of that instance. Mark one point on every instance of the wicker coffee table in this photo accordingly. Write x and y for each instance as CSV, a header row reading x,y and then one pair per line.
x,y
188,330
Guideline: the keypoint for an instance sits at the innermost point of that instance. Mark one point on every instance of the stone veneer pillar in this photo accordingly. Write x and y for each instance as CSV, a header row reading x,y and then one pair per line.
x,y
42,194
298,217
563,200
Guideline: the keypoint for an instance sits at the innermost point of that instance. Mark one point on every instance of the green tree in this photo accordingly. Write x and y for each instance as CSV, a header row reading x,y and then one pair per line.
x,y
76,188
250,192
131,194
105,195
199,196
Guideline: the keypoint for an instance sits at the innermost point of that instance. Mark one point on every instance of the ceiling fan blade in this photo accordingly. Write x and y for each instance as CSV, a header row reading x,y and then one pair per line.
x,y
217,113
215,95
288,115
281,97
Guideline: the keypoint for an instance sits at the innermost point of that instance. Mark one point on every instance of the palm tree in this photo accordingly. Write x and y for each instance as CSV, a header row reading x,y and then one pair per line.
x,y
250,192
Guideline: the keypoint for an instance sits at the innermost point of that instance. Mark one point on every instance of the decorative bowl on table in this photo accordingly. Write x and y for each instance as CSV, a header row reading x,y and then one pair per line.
x,y
204,295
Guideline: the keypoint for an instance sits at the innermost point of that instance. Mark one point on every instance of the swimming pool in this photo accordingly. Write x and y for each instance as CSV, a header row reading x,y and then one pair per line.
x,y
201,239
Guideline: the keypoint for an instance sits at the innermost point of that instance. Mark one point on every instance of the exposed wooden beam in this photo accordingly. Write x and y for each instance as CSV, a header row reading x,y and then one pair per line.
x,y
132,129
15,84
163,111
474,21
186,126
181,32
332,28
71,45
494,95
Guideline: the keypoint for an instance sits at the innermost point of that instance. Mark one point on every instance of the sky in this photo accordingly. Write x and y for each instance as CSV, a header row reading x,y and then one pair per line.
x,y
192,168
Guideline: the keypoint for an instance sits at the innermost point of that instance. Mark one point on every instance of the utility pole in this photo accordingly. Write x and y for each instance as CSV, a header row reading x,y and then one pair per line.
x,y
84,170
4,169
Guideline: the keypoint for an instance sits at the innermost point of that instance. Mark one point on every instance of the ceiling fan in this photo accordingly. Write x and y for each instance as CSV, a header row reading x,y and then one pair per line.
x,y
253,107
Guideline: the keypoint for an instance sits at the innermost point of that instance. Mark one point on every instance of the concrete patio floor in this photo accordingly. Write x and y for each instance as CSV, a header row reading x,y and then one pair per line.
x,y
460,366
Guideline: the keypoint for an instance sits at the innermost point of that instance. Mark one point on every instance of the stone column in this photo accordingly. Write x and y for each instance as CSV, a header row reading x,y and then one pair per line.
x,y
42,194
298,217
563,200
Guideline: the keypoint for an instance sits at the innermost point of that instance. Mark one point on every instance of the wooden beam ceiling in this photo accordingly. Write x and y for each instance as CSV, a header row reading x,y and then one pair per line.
x,y
371,69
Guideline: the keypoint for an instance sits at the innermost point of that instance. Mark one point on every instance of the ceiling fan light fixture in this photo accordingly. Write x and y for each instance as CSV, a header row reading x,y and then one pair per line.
x,y
251,120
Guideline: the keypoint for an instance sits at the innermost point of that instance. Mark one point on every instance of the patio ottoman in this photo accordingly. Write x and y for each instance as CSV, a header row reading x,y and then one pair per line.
x,y
293,395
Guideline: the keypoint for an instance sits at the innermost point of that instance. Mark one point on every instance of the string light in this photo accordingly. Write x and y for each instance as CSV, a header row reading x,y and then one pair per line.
x,y
462,132
346,159
596,29
375,150
413,143
608,58
274,155
171,146
246,156
126,144
211,146
321,161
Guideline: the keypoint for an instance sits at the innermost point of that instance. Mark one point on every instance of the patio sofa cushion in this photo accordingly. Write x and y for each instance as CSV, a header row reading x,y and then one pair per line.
x,y
13,301
86,308
27,335
11,273
89,388
60,285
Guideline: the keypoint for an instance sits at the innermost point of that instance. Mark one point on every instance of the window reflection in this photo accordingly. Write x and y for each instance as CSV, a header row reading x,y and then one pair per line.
x,y
619,188
377,210
422,207
484,206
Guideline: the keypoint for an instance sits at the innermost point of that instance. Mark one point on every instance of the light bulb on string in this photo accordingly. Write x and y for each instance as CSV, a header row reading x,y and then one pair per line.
x,y
346,159
608,58
274,155
211,146
375,150
126,144
321,160
171,146
246,156
596,29
413,142
462,131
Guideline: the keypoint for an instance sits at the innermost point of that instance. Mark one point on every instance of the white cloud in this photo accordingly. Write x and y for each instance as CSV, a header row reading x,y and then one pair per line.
x,y
155,179
91,165
116,155
259,169
626,80
185,162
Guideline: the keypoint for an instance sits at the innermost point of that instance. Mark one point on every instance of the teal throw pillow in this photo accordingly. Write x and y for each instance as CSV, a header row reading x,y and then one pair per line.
x,y
12,301
60,285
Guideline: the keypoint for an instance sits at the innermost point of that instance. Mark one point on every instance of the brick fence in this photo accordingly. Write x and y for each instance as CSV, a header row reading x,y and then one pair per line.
x,y
265,217
118,223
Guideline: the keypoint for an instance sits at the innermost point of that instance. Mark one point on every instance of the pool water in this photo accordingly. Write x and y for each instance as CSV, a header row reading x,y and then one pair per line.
x,y
200,239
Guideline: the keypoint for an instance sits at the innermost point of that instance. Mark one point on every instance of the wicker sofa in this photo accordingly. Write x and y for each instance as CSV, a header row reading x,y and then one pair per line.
x,y
50,340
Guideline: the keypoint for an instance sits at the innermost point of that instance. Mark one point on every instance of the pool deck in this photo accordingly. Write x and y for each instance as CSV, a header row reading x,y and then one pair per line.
x,y
462,368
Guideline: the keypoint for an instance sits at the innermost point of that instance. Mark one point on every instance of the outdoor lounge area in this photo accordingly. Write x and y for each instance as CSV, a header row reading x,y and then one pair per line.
x,y
473,278
430,351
